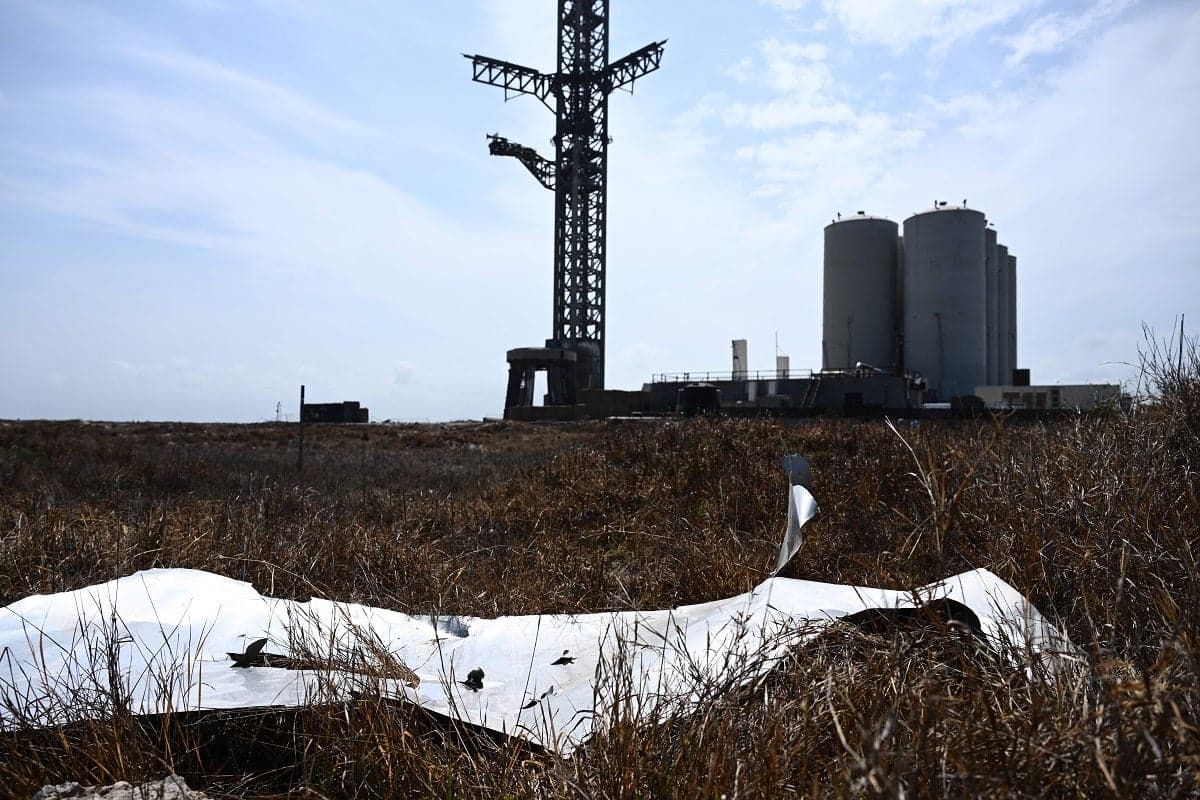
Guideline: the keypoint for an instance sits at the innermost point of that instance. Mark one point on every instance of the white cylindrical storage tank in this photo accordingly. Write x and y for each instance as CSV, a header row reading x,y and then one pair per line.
x,y
899,284
1003,303
739,360
1012,316
945,300
993,307
858,321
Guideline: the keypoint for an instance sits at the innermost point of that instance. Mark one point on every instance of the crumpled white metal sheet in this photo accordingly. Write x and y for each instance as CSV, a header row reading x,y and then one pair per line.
x,y
162,638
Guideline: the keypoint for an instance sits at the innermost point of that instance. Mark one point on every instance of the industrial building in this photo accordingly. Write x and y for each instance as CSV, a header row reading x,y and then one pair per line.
x,y
916,318
936,301
850,392
1071,397
919,316
345,412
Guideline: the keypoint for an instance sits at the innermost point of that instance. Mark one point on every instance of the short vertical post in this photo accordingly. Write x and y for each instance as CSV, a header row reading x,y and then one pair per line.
x,y
1179,368
301,464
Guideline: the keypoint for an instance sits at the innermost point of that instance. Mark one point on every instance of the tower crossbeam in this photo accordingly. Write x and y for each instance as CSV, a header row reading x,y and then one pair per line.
x,y
512,78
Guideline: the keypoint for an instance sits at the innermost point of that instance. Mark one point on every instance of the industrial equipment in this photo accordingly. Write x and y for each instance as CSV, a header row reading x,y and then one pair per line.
x,y
992,276
945,306
1004,312
859,314
578,95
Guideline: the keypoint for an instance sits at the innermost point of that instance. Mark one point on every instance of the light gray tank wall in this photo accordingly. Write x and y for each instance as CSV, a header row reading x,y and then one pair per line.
x,y
899,343
993,307
1012,316
858,321
945,300
1003,302
740,363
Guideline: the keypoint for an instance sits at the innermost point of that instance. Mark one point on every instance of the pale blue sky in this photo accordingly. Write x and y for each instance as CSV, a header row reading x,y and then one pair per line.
x,y
205,203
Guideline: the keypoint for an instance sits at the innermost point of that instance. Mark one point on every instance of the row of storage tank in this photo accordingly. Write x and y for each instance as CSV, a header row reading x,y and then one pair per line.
x,y
939,301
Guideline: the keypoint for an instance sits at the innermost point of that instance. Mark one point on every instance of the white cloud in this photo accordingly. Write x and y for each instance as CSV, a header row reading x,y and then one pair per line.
x,y
524,32
781,55
974,114
215,169
741,72
404,373
204,6
815,133
902,24
789,112
805,83
258,96
1052,32
795,67
844,160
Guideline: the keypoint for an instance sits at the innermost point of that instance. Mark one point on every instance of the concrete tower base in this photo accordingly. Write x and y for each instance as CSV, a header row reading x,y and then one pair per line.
x,y
524,363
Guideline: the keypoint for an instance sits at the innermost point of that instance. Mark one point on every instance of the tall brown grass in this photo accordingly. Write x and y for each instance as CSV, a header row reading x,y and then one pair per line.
x,y
1095,518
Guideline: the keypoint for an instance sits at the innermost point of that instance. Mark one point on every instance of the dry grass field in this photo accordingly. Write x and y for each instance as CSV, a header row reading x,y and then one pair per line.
x,y
1096,519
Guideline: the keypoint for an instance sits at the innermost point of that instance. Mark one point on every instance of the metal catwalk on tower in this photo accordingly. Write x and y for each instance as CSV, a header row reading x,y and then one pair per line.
x,y
578,95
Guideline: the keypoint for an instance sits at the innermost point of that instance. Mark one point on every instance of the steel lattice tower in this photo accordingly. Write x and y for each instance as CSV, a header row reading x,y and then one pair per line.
x,y
578,95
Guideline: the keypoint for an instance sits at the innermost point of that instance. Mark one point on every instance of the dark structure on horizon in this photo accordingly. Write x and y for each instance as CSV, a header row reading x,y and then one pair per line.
x,y
577,93
348,411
